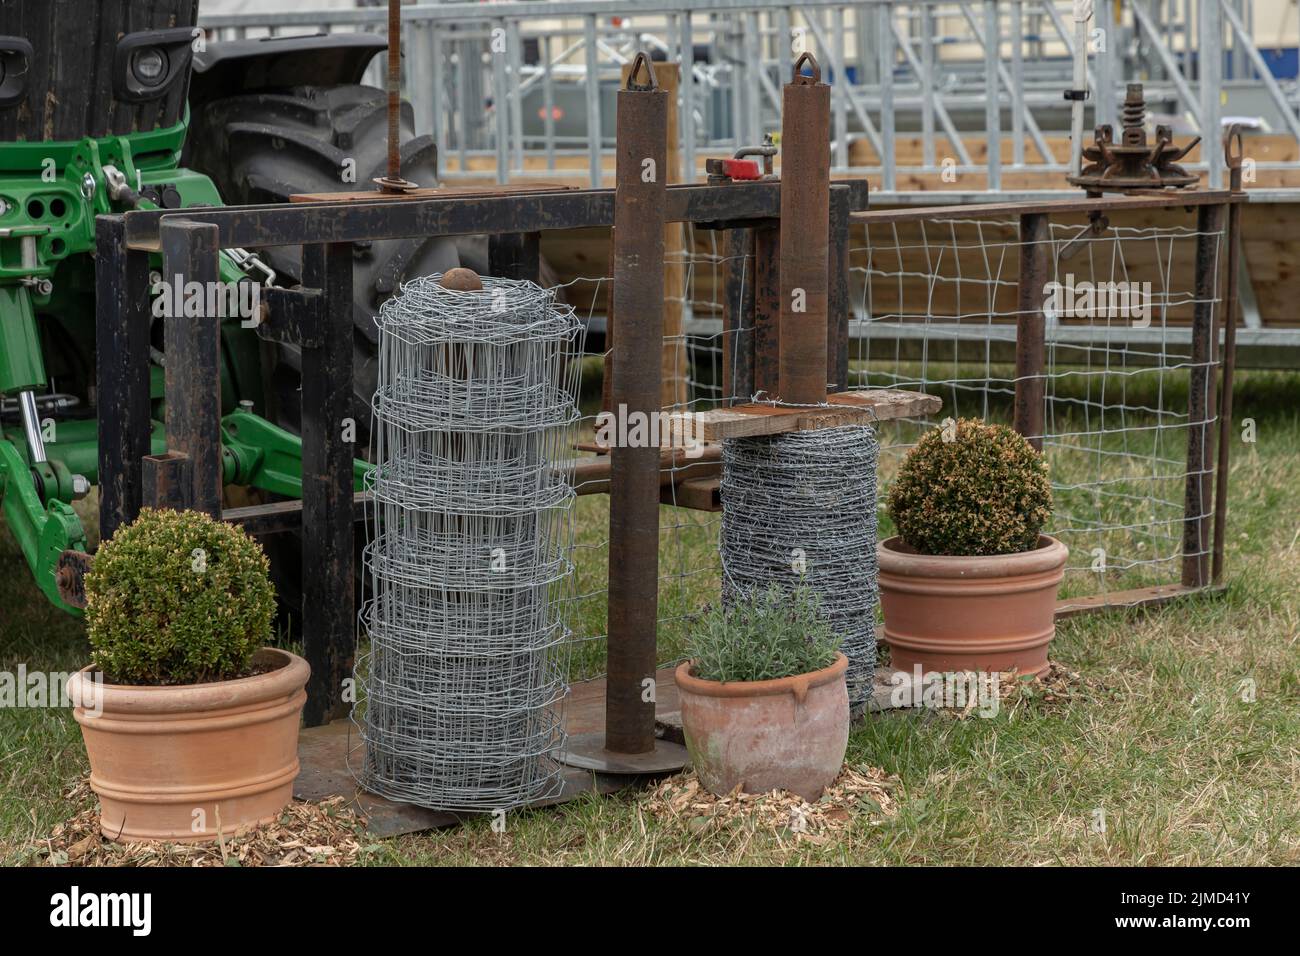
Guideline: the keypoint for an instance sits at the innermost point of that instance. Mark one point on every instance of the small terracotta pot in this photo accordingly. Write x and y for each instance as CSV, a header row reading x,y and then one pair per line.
x,y
158,754
952,613
787,734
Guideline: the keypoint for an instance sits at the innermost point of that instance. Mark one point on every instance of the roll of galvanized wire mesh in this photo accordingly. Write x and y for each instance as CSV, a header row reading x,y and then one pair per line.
x,y
801,507
468,562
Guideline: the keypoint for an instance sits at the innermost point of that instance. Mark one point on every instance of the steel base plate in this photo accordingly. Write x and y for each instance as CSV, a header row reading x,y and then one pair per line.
x,y
588,752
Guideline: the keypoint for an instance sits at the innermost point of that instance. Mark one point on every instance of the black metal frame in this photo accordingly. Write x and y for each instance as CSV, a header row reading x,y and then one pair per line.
x,y
318,318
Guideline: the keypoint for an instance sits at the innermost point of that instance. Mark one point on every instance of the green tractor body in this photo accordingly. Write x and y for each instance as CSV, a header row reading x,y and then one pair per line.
x,y
117,74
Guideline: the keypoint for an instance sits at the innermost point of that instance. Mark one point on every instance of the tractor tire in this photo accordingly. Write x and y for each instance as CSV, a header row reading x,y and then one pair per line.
x,y
267,146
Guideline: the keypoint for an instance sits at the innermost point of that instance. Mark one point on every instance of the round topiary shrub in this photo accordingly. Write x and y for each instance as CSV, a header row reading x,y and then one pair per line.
x,y
971,489
177,598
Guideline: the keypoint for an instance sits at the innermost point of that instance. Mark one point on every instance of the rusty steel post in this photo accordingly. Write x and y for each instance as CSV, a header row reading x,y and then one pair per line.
x,y
805,235
628,744
1200,401
1031,328
641,166
190,253
1229,322
767,309
393,182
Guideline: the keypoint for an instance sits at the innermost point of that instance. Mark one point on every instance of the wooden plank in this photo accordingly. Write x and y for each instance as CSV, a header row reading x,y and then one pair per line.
x,y
843,408
1137,597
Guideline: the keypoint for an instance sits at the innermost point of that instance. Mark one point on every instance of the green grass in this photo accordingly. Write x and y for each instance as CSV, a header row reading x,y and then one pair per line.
x,y
1158,738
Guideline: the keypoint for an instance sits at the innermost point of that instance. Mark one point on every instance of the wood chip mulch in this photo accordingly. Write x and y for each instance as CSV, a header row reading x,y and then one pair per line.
x,y
306,834
1055,689
857,793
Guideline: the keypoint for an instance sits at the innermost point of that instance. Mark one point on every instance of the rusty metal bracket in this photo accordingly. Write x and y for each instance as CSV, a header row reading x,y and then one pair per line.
x,y
1133,163
1098,223
291,317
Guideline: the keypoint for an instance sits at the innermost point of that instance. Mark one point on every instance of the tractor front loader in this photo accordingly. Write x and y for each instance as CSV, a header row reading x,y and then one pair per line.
x,y
97,102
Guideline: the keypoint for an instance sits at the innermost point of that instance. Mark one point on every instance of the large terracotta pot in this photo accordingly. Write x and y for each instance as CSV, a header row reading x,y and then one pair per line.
x,y
158,754
951,613
763,735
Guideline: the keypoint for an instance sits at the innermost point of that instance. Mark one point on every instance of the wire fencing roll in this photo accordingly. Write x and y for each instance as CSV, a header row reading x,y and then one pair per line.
x,y
801,507
469,559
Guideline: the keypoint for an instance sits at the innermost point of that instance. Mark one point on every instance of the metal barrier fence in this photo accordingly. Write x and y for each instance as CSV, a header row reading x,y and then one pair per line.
x,y
495,83
1015,313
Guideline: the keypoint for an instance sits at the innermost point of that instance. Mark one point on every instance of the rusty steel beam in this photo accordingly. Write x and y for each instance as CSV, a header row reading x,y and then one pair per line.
x,y
328,612
633,607
805,235
591,475
1200,401
1229,365
193,369
122,372
1031,328
515,255
167,480
278,224
1082,205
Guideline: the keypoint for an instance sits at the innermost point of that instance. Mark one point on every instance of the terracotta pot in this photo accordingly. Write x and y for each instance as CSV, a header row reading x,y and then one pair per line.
x,y
763,735
951,613
158,754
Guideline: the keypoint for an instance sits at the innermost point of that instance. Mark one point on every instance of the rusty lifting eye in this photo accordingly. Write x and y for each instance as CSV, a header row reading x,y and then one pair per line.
x,y
798,77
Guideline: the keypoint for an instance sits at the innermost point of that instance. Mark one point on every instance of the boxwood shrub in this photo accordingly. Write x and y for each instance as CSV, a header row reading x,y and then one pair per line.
x,y
971,489
177,598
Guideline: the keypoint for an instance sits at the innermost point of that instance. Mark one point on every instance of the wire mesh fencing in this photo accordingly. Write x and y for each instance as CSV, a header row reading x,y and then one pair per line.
x,y
1127,406
468,561
1126,370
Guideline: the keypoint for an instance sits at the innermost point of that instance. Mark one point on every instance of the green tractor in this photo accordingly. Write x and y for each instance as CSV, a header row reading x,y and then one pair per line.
x,y
118,104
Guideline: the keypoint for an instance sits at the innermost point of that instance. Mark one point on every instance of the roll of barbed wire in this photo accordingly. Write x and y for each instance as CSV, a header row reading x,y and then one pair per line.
x,y
801,507
471,537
